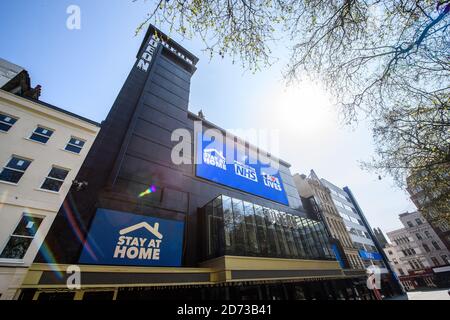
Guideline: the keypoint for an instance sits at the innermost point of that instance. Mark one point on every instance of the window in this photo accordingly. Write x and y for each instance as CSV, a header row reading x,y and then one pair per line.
x,y
419,237
6,122
427,248
41,134
55,179
427,234
419,221
410,224
75,145
435,245
402,273
445,259
444,226
21,238
435,261
14,169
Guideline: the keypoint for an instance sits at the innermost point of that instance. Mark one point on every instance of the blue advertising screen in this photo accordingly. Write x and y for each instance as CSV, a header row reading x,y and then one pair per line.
x,y
243,172
337,255
370,255
123,238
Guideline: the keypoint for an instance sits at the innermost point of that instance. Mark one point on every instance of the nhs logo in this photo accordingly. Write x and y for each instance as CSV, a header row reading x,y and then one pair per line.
x,y
271,181
214,158
245,171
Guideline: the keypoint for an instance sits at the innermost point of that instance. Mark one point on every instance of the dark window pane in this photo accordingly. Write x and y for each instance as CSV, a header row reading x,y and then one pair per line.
x,y
16,248
262,232
250,225
28,226
239,224
18,163
272,237
58,173
77,142
7,119
228,225
43,131
51,184
4,126
39,138
10,175
285,252
72,148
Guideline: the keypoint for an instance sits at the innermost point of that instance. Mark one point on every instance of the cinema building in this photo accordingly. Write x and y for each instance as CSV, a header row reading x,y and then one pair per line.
x,y
147,226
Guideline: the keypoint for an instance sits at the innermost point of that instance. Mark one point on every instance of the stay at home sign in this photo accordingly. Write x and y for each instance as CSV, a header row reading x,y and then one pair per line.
x,y
122,238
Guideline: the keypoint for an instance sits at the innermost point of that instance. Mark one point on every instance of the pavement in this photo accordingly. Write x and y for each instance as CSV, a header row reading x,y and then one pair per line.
x,y
438,294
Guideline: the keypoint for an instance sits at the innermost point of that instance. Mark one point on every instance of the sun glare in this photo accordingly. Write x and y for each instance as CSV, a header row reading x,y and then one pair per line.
x,y
303,108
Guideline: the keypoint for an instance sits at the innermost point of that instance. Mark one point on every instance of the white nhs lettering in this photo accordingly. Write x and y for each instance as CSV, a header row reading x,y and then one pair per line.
x,y
245,171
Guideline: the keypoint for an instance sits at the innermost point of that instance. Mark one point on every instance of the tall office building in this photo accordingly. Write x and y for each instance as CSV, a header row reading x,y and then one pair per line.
x,y
165,213
42,148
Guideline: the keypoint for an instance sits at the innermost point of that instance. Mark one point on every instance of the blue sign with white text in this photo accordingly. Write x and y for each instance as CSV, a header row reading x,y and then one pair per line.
x,y
240,171
370,255
123,238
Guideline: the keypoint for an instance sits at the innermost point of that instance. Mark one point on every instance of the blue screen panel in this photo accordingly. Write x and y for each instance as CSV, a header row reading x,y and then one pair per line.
x,y
242,172
123,238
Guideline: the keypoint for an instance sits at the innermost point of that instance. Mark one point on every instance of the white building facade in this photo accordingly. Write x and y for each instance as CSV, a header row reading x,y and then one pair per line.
x,y
42,149
415,250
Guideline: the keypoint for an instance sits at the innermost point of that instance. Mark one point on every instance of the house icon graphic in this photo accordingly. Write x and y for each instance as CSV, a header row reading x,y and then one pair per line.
x,y
215,153
145,225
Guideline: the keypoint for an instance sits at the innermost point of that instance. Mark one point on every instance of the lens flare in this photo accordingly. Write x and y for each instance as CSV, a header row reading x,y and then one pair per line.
x,y
50,258
150,189
76,228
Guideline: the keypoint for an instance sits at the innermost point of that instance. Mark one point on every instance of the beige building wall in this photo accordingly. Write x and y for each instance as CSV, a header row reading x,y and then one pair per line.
x,y
308,187
27,197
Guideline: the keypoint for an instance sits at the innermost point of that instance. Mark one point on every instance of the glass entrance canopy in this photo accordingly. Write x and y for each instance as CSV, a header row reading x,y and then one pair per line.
x,y
234,227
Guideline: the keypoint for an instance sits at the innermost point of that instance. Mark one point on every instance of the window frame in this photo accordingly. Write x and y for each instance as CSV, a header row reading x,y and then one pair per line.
x,y
14,169
12,234
55,179
74,145
41,134
7,123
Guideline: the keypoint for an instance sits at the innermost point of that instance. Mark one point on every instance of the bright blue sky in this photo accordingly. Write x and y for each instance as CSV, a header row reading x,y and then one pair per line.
x,y
83,70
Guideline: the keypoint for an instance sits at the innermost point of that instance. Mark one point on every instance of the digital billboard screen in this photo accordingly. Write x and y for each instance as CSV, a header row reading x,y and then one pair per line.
x,y
123,238
241,170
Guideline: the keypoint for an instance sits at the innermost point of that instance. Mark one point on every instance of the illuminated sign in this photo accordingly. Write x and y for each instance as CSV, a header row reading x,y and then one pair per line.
x,y
239,172
122,238
370,255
